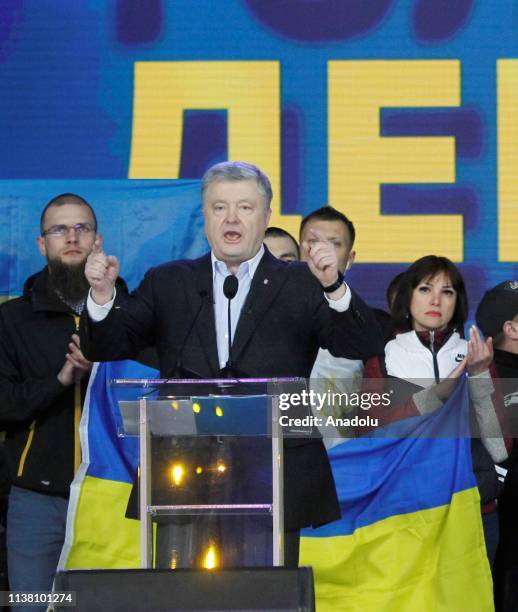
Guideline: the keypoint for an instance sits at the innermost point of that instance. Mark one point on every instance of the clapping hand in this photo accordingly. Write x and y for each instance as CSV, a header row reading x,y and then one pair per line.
x,y
480,352
443,389
76,366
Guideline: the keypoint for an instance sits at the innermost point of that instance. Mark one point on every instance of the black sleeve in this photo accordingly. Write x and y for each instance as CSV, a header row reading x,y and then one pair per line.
x,y
22,398
354,334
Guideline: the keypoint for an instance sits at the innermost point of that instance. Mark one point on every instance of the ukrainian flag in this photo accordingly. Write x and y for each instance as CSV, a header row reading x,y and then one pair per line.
x,y
410,537
98,534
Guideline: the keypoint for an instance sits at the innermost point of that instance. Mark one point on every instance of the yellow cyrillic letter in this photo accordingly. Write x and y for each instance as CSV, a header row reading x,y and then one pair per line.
x,y
507,71
248,90
360,159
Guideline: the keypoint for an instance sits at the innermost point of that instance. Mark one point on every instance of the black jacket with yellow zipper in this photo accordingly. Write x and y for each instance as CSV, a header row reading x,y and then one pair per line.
x,y
40,415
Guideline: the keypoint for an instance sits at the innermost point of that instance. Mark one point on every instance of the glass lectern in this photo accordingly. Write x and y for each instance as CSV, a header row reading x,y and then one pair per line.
x,y
210,478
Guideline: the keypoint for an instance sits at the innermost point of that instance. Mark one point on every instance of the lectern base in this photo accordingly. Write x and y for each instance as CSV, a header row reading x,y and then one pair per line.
x,y
265,589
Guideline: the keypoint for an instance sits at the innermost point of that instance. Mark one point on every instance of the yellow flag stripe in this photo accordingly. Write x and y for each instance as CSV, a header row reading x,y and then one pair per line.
x,y
428,560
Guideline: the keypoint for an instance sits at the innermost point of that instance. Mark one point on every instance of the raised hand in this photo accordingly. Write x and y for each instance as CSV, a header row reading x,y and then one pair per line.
x,y
75,366
322,260
480,352
447,385
101,271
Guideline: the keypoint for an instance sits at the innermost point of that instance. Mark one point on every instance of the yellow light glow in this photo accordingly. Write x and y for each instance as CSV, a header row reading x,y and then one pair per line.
x,y
219,411
174,559
211,558
196,408
199,470
177,474
221,468
175,405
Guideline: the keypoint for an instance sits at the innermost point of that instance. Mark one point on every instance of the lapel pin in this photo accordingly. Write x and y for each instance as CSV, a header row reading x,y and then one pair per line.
x,y
265,281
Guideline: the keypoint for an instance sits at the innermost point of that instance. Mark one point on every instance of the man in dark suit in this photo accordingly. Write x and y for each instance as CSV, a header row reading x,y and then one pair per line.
x,y
281,315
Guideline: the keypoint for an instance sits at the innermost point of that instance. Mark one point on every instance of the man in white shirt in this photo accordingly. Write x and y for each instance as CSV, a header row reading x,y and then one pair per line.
x,y
335,374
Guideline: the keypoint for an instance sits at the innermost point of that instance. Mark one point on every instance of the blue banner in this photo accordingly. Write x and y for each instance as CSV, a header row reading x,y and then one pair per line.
x,y
400,113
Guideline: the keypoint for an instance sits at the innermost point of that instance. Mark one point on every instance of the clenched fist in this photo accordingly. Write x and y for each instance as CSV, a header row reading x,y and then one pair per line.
x,y
101,271
323,261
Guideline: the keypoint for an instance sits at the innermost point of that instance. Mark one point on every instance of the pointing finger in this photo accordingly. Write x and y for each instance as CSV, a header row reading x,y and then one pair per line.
x,y
98,245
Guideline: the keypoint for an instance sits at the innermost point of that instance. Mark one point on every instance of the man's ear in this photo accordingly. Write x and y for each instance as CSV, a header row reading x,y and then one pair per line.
x,y
40,241
350,260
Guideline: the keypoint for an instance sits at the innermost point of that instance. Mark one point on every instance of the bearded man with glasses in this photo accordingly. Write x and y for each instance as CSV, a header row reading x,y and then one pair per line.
x,y
43,377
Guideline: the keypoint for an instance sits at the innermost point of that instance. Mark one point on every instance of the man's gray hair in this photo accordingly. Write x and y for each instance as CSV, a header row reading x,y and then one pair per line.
x,y
237,171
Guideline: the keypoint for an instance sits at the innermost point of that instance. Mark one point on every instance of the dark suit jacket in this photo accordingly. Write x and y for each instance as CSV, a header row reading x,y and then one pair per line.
x,y
284,320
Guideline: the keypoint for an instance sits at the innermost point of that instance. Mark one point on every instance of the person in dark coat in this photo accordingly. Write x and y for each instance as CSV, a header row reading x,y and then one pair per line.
x,y
43,377
281,314
497,317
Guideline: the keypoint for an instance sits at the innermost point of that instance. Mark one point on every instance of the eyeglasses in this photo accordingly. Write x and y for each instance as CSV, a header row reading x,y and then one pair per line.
x,y
62,230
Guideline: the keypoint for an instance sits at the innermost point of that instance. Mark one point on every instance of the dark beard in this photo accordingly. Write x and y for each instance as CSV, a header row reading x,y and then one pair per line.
x,y
68,281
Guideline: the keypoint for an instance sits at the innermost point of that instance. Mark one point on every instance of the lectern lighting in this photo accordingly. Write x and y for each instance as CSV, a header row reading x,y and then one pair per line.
x,y
211,558
177,474
173,564
219,411
196,408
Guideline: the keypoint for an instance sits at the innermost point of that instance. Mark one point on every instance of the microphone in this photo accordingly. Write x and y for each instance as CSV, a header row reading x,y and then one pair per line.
x,y
230,287
179,371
